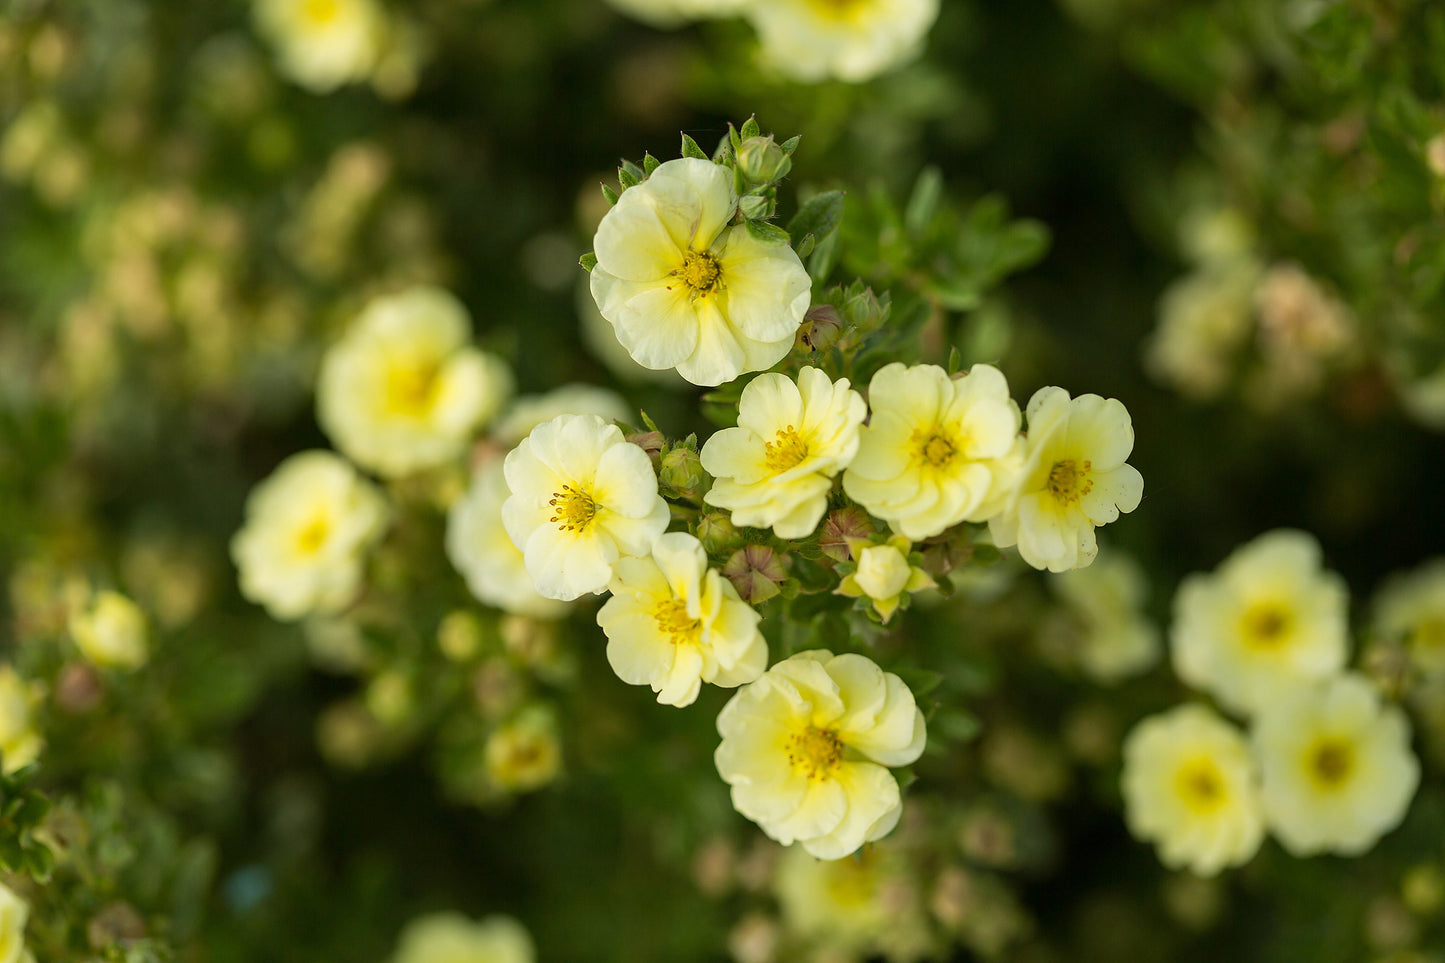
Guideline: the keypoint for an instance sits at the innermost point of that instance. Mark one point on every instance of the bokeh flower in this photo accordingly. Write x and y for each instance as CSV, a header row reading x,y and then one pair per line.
x,y
302,549
14,913
685,290
453,938
1117,640
673,623
1410,607
404,390
852,40
323,44
1267,617
1074,479
775,469
806,749
111,631
525,753
20,741
582,497
1337,767
1190,787
937,451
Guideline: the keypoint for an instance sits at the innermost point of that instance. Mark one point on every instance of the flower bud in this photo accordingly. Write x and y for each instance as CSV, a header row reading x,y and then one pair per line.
x,y
650,442
681,470
882,571
716,532
753,206
756,572
460,635
841,525
762,161
822,327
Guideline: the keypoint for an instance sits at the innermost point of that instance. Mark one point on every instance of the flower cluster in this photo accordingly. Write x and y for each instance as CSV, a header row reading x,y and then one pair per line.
x,y
1327,765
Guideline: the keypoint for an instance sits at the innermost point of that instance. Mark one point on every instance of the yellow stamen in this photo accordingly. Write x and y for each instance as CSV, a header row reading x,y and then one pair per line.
x,y
321,12
935,448
787,450
1068,482
575,509
1200,785
310,539
411,390
674,622
700,271
816,751
1266,625
1331,762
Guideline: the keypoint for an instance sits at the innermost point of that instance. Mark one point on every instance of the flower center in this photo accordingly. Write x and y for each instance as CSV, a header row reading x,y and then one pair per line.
x,y
1201,786
787,450
1429,634
701,271
816,751
310,539
936,449
838,9
322,12
1331,761
1068,482
1266,625
575,509
411,390
673,621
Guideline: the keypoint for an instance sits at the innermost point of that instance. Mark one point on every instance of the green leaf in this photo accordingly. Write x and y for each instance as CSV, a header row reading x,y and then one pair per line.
x,y
806,245
588,261
766,233
690,148
820,265
924,201
819,216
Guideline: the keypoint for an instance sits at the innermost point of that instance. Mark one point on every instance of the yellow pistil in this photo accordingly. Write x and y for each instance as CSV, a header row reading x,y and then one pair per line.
x,y
411,390
816,751
787,450
1200,785
700,271
935,448
1068,482
1330,762
321,12
313,536
674,622
575,509
1266,625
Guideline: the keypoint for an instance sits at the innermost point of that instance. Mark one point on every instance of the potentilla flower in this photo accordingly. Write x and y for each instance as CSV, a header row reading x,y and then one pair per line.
x,y
14,912
685,290
1108,597
1267,617
111,631
1189,786
853,40
937,451
776,467
885,576
1338,770
582,497
525,753
308,528
20,743
1411,608
1074,479
673,623
323,44
806,749
404,390
479,547
453,938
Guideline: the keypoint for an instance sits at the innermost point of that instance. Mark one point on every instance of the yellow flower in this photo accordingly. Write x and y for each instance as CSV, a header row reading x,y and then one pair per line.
x,y
20,744
403,390
1108,598
323,44
1267,617
111,631
452,938
1337,766
525,753
683,289
1074,478
1411,607
777,466
308,528
479,548
806,749
673,623
582,497
14,912
1189,786
852,40
884,575
862,907
936,451
1204,318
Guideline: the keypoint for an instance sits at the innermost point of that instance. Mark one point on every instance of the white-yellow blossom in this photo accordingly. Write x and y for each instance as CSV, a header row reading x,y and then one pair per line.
x,y
526,752
775,469
453,938
111,631
849,909
1410,607
1204,320
20,742
529,411
937,450
302,550
1074,479
884,575
479,547
1267,617
323,44
683,289
852,40
806,749
404,389
1337,766
1117,641
673,623
582,497
1190,787
14,913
